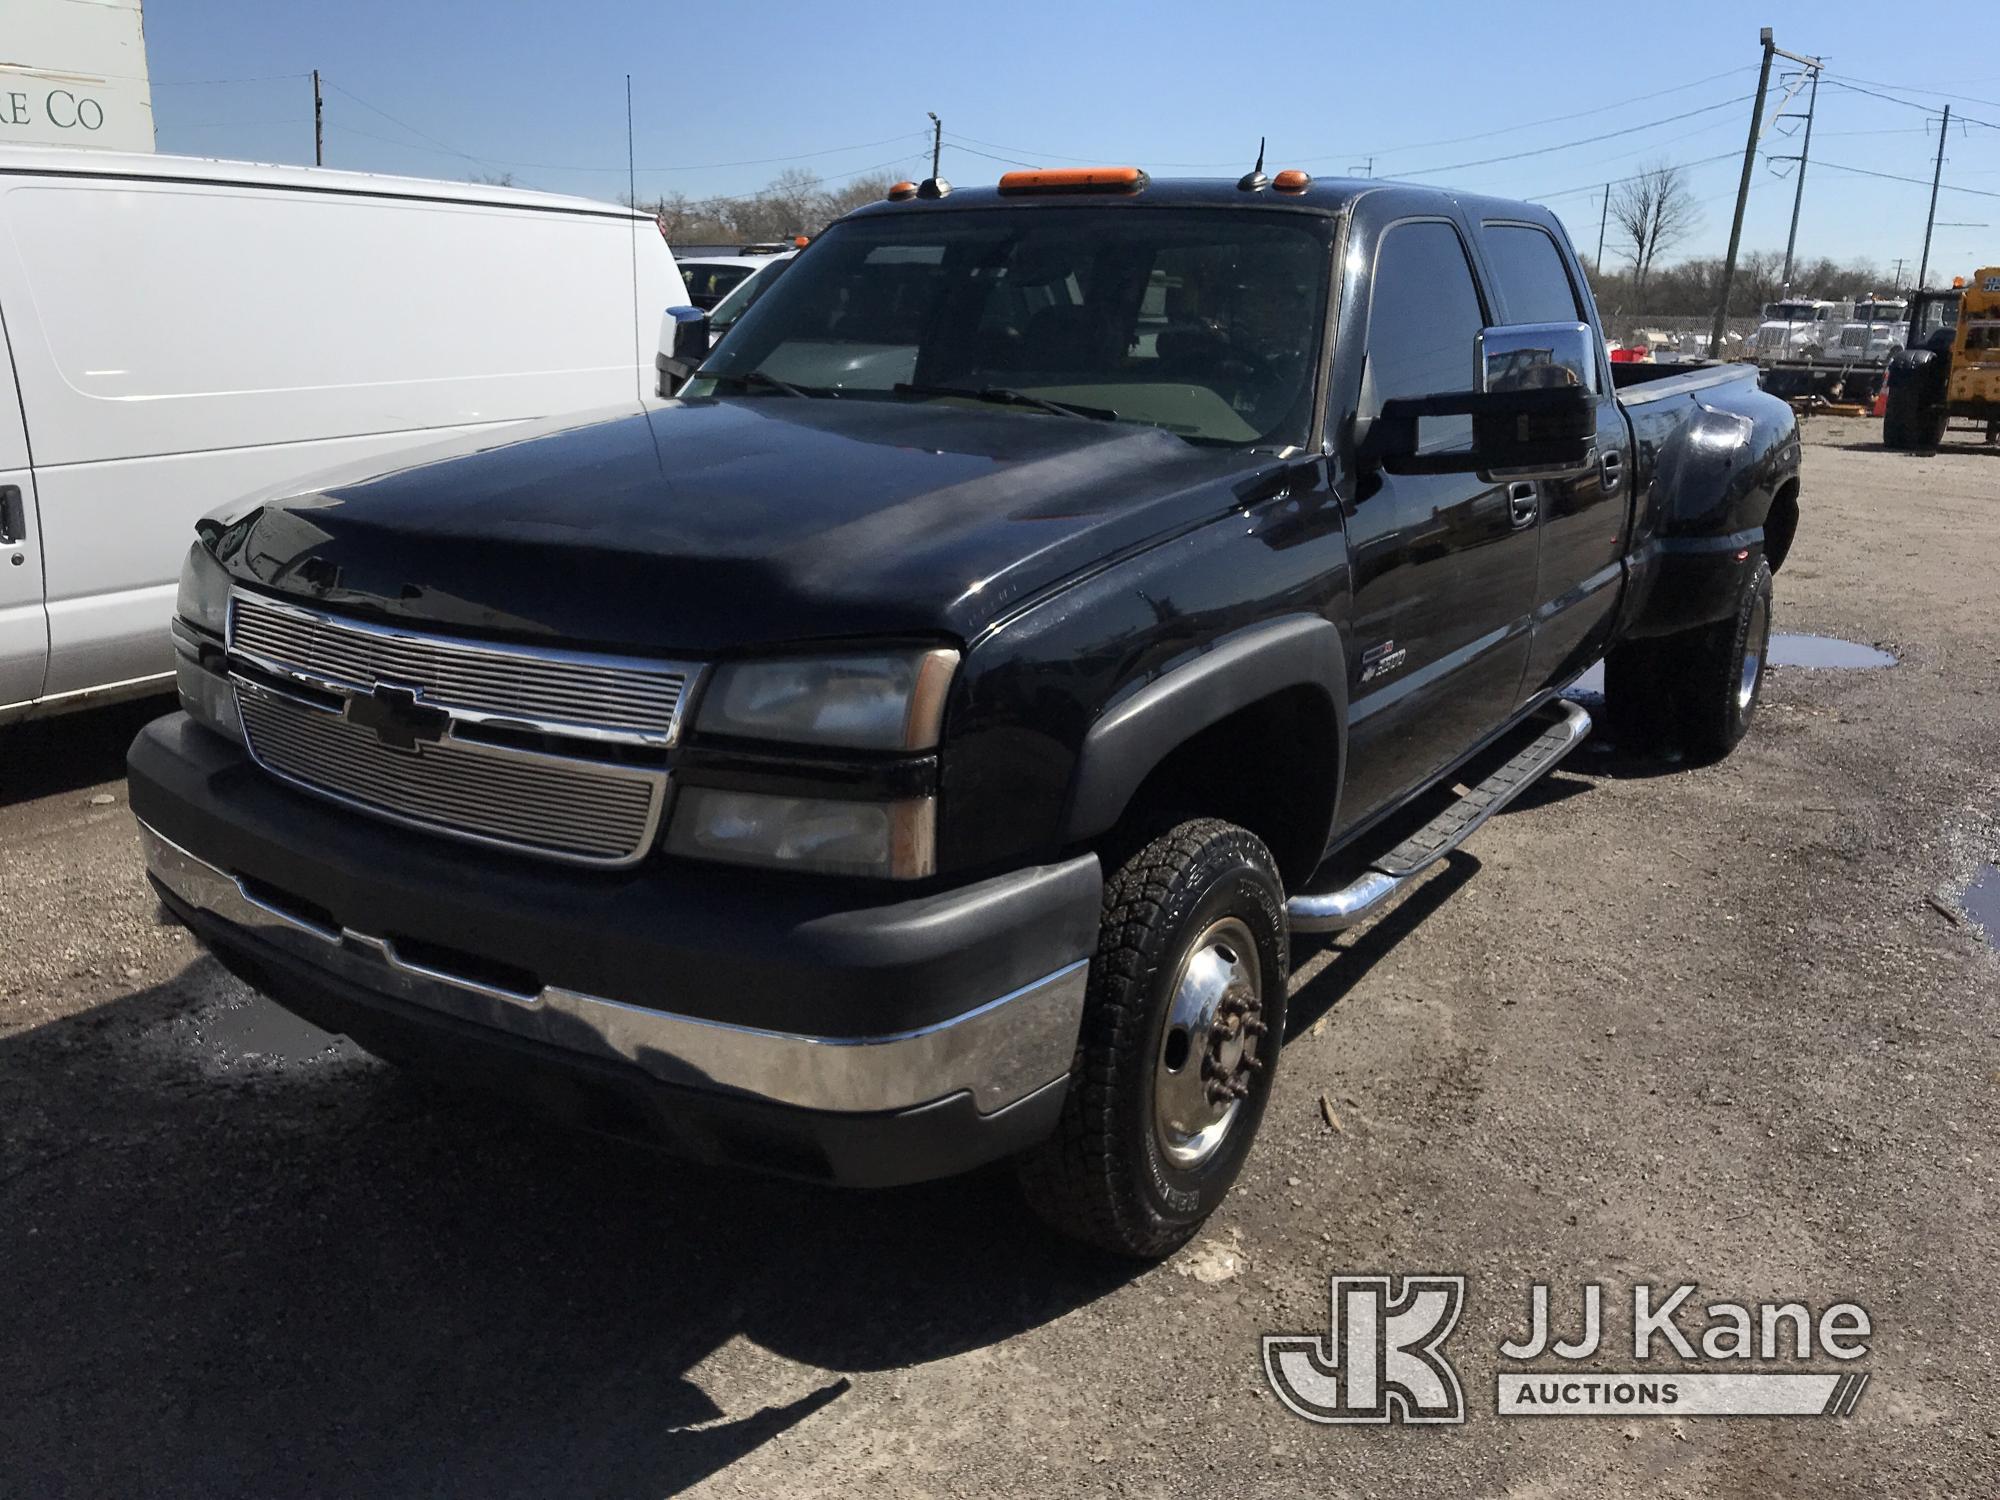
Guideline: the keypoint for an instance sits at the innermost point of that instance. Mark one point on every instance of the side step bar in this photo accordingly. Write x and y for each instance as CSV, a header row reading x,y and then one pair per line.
x,y
1335,911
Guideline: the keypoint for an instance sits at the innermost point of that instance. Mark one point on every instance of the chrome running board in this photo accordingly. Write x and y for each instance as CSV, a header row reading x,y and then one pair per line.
x,y
1335,911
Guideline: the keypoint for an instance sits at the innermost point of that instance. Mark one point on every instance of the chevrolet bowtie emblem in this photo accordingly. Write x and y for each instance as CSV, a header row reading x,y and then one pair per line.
x,y
398,719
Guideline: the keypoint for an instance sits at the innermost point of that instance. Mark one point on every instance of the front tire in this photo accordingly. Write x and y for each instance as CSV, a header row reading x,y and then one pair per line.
x,y
1180,1037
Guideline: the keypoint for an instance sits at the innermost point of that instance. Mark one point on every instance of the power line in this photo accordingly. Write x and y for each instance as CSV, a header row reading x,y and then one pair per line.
x,y
1488,161
1929,109
1021,153
1919,181
1679,88
1911,88
1593,187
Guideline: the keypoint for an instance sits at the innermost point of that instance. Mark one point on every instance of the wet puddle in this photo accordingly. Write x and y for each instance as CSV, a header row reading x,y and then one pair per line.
x,y
1982,903
1814,652
1826,651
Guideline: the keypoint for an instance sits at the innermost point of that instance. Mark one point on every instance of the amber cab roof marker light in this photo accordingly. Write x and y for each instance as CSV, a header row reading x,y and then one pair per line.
x,y
901,192
1254,180
1292,180
1074,180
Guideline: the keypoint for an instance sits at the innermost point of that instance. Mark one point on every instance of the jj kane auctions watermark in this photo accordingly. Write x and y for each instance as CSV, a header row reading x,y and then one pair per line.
x,y
1383,1356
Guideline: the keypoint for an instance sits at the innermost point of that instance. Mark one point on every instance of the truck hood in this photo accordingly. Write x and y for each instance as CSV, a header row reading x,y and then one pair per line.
x,y
705,527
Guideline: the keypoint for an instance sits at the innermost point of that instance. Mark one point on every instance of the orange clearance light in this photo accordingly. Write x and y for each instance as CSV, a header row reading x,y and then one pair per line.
x,y
902,191
802,240
1074,180
1957,282
1292,180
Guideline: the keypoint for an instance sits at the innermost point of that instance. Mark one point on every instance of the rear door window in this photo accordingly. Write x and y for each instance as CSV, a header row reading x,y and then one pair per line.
x,y
1532,280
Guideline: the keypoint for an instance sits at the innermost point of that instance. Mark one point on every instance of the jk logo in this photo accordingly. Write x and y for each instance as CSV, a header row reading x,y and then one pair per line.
x,y
1382,1359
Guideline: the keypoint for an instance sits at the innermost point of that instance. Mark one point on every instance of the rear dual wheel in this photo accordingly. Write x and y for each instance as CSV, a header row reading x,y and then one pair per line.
x,y
1698,690
1180,1035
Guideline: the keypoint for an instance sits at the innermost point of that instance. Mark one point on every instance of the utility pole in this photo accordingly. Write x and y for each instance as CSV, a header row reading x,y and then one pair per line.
x,y
319,124
1931,217
1799,192
1742,196
1897,280
1603,218
937,141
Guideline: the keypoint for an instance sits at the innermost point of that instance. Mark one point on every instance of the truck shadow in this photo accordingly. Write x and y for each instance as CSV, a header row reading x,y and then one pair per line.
x,y
332,1278
47,757
1356,953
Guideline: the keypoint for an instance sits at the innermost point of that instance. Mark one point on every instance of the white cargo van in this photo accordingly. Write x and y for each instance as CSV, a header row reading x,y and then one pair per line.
x,y
181,332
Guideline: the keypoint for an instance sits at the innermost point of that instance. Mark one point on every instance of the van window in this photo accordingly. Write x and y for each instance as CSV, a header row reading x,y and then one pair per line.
x,y
1423,317
1529,273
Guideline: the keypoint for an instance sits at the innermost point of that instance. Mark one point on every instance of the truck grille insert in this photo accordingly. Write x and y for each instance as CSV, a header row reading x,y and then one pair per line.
x,y
540,752
636,697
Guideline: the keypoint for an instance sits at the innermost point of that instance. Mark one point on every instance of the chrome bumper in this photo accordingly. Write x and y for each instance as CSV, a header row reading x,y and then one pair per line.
x,y
999,1052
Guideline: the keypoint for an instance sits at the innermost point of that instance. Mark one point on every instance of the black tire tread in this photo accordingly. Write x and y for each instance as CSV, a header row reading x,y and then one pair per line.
x,y
1705,675
1080,1180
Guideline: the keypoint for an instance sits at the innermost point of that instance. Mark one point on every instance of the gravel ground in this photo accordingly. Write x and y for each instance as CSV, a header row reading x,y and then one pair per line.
x,y
1726,1025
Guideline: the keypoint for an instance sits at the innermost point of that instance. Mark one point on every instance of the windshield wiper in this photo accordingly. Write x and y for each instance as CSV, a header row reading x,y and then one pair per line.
x,y
1001,395
769,381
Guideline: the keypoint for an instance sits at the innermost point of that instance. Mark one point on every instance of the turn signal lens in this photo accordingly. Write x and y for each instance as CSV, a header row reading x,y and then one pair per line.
x,y
1074,180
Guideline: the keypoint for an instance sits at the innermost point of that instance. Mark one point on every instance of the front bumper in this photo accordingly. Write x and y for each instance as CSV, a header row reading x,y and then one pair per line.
x,y
937,1031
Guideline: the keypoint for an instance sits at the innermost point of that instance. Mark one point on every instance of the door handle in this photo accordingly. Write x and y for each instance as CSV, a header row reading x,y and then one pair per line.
x,y
1522,502
13,515
1612,465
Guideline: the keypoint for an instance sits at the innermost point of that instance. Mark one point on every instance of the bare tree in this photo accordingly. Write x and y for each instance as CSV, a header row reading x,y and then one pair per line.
x,y
1654,211
795,203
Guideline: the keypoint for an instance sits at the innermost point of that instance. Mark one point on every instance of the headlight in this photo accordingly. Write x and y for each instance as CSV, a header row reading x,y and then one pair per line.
x,y
896,840
889,700
201,619
203,600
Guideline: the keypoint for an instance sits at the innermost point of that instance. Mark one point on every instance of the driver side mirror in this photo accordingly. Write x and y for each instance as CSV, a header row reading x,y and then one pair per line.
x,y
684,345
1534,410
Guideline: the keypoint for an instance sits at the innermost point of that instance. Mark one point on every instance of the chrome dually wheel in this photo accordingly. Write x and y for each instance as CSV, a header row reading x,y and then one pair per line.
x,y
1208,1049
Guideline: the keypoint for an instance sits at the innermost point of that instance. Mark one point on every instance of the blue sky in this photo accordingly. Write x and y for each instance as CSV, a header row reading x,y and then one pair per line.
x,y
727,95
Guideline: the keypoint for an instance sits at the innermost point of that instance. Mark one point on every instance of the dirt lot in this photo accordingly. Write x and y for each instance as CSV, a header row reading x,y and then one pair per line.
x,y
1725,1025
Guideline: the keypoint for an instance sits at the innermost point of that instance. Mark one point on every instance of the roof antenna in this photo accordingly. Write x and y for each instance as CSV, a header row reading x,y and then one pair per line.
x,y
1254,180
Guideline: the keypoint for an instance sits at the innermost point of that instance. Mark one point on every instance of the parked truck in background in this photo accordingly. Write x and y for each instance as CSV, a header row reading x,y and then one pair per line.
x,y
1951,371
920,744
1798,328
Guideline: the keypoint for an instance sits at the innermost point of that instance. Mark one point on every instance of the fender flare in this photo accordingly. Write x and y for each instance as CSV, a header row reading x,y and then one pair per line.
x,y
1134,736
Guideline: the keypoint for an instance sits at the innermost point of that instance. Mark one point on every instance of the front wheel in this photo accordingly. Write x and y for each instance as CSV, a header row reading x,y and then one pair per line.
x,y
1180,1036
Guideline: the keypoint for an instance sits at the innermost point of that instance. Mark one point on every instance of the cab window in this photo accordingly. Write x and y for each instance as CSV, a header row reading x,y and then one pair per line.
x,y
1528,271
1423,316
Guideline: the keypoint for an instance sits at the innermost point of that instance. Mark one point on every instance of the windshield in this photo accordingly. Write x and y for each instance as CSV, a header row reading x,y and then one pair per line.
x,y
748,290
1204,322
1794,312
1878,312
708,281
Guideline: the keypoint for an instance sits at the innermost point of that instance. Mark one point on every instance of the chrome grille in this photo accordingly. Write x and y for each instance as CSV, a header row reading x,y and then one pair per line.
x,y
588,788
628,697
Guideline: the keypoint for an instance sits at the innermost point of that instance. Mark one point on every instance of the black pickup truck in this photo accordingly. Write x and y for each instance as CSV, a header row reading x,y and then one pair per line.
x,y
916,744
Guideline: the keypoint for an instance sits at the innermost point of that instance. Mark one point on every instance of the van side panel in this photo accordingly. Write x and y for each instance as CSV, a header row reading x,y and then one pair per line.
x,y
180,344
24,624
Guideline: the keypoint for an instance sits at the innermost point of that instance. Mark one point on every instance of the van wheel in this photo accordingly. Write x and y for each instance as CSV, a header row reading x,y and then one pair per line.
x,y
1719,672
1181,1029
